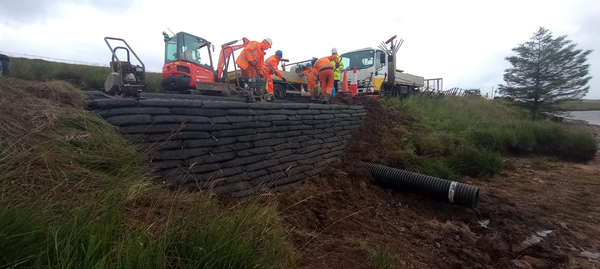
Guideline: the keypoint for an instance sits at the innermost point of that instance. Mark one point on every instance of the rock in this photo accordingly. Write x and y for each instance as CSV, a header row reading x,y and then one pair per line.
x,y
518,248
536,263
522,264
563,225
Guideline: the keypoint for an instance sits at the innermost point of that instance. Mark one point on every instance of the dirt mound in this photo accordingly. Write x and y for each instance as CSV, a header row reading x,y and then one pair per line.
x,y
341,220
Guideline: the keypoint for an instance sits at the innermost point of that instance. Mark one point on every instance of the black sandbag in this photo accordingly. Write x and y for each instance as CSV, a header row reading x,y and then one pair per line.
x,y
219,157
179,136
287,145
280,112
333,129
231,119
154,146
291,158
324,117
302,117
332,144
325,126
203,168
356,107
255,174
323,136
232,147
254,137
332,139
319,106
254,151
312,132
298,170
313,122
137,138
295,106
111,103
271,118
242,161
311,160
234,132
308,149
273,129
298,139
208,142
351,127
245,112
170,103
199,112
288,134
127,120
308,112
133,110
224,105
338,148
265,105
279,154
329,111
261,165
311,141
348,122
150,129
341,133
286,123
360,114
180,118
282,167
301,127
206,127
333,154
269,142
180,154
334,120
340,107
316,153
254,124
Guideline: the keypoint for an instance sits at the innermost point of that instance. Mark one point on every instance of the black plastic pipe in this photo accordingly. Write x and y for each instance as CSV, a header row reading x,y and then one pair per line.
x,y
439,189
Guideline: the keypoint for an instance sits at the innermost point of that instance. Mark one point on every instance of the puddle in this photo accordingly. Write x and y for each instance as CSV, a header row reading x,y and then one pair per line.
x,y
536,238
484,223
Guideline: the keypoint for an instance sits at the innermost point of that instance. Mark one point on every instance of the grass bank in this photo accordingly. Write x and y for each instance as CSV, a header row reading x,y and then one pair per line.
x,y
86,77
579,105
74,194
461,135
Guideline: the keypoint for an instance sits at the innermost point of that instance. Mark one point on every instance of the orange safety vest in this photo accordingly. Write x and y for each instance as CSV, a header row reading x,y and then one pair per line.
x,y
311,76
251,55
271,66
324,63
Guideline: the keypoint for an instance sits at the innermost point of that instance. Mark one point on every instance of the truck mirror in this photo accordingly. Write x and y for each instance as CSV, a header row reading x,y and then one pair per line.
x,y
382,58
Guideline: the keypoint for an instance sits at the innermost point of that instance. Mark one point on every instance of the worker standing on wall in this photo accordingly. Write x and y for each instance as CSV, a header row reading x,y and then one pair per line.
x,y
325,69
339,65
251,59
270,68
311,78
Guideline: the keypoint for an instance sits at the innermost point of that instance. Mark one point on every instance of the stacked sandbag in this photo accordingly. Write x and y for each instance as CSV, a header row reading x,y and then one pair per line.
x,y
233,147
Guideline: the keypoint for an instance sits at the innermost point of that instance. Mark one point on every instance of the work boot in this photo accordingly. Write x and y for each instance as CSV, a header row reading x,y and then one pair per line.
x,y
326,98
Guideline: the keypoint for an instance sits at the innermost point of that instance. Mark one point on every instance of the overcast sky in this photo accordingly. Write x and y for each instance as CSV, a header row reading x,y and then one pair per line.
x,y
463,42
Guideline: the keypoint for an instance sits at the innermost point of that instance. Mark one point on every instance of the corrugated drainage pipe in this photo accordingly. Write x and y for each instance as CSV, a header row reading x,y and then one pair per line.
x,y
439,189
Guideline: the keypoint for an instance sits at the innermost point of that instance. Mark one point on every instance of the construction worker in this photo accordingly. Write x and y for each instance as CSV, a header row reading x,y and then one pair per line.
x,y
251,59
339,65
270,68
325,69
311,78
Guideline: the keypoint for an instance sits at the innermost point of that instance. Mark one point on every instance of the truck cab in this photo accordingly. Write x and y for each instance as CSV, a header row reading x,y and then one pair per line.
x,y
371,70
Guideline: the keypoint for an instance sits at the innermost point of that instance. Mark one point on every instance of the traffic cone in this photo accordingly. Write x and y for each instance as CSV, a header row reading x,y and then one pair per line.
x,y
354,84
345,82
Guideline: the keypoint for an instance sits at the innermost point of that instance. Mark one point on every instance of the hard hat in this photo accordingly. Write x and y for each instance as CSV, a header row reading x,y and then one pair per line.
x,y
279,53
269,40
308,64
334,50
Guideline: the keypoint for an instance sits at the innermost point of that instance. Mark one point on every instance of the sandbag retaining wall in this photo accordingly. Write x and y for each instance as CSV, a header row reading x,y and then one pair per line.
x,y
233,147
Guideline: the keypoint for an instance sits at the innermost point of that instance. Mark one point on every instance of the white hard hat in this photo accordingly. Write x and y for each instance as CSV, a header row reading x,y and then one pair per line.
x,y
269,40
334,50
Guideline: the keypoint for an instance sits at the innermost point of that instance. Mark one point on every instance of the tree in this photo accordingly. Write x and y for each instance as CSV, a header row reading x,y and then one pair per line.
x,y
546,71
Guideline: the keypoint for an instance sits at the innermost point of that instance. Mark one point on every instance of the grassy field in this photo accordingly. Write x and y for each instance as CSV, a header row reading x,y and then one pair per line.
x,y
74,194
579,105
86,77
467,136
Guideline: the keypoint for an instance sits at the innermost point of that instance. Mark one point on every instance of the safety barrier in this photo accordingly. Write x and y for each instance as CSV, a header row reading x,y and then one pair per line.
x,y
233,147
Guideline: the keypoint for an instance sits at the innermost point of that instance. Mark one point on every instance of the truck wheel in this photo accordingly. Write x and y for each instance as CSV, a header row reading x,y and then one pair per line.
x,y
278,91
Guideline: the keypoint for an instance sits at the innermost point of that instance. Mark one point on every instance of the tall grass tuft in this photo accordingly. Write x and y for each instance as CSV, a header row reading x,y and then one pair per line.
x,y
458,135
86,77
74,194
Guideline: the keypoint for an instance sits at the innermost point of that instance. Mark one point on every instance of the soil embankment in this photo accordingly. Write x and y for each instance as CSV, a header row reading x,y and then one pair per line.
x,y
537,213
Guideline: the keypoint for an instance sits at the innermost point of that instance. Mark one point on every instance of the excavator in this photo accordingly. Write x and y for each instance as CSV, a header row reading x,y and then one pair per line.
x,y
184,71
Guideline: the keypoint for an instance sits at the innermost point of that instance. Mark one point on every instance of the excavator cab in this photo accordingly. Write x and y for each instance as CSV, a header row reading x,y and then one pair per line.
x,y
184,65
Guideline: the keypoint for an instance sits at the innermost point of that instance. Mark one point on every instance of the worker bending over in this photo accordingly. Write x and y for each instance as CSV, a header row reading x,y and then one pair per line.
x,y
271,68
251,59
339,65
311,78
325,69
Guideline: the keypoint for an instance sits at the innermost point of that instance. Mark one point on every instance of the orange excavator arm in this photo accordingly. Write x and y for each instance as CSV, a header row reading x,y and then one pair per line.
x,y
226,51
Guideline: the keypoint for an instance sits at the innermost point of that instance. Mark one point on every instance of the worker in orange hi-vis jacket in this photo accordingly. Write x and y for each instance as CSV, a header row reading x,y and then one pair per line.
x,y
326,70
311,78
270,68
251,59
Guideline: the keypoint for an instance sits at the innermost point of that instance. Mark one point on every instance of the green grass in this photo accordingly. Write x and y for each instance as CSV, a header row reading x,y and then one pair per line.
x,y
466,136
579,105
74,194
383,259
86,77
